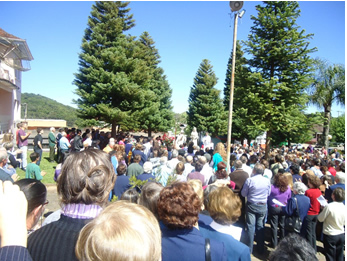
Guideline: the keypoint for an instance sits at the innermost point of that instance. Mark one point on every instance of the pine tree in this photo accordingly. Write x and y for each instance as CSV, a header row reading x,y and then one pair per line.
x,y
242,126
110,78
157,115
206,111
281,66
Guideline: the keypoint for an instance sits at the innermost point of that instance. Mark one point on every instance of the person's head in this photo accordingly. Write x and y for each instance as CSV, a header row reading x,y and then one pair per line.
x,y
52,129
189,159
243,159
137,158
340,177
138,146
8,137
36,194
8,145
299,188
34,156
197,186
338,194
224,206
220,149
179,206
179,168
118,232
202,160
278,158
295,169
39,130
86,177
258,169
147,167
238,164
313,181
281,182
149,196
121,169
207,192
130,195
24,125
198,166
293,247
174,154
221,173
265,163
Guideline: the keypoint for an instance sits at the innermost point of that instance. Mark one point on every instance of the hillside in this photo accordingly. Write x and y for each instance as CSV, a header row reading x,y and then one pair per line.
x,y
40,107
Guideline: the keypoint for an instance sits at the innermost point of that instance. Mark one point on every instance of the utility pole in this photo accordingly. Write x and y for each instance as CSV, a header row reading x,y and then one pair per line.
x,y
235,6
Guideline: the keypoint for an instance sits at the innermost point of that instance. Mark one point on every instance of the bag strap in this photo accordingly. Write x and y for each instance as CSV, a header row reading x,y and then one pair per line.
x,y
297,208
207,249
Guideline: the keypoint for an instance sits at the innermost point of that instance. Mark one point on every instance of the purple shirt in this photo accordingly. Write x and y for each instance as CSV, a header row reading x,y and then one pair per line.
x,y
280,196
256,188
22,142
196,175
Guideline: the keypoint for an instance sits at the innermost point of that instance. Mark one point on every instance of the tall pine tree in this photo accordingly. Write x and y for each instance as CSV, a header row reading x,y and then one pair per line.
x,y
157,115
205,110
242,125
111,75
281,66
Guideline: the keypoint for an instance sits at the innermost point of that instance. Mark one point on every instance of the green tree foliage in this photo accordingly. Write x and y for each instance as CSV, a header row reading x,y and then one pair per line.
x,y
115,83
281,67
328,87
337,129
157,114
242,125
205,110
40,107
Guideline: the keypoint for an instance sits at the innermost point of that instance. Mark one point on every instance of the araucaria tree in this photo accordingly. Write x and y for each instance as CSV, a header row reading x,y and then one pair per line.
x,y
115,82
328,87
205,110
281,67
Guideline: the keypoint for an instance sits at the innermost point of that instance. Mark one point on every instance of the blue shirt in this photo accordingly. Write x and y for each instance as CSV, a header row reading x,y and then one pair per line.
x,y
188,245
235,250
145,176
64,143
256,189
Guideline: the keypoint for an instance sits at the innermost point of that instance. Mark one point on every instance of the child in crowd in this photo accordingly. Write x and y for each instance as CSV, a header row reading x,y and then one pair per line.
x,y
33,171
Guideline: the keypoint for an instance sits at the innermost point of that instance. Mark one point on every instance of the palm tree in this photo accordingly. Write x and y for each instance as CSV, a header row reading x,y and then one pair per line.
x,y
328,88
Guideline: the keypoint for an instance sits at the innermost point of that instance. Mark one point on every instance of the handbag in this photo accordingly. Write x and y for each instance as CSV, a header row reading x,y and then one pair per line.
x,y
293,223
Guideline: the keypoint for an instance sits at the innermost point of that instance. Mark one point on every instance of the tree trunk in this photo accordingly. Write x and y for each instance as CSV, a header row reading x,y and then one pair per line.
x,y
327,118
267,144
114,128
149,132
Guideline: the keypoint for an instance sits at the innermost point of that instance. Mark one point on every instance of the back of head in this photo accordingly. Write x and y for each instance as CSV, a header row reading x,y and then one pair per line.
x,y
198,166
238,164
131,195
202,160
174,154
281,182
293,247
180,168
339,194
35,192
258,168
118,232
197,186
300,188
149,196
179,206
86,177
243,159
148,167
137,158
224,206
189,159
341,177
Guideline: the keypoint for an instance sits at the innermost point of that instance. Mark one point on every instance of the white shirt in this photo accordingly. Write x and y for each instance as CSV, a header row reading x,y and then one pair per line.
x,y
207,171
248,169
187,169
333,217
206,140
231,230
172,163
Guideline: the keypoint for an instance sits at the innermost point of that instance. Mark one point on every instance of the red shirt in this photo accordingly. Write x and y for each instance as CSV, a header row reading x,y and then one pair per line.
x,y
332,170
313,194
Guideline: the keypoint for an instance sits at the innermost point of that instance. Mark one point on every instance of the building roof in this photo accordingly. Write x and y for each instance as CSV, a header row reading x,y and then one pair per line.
x,y
7,35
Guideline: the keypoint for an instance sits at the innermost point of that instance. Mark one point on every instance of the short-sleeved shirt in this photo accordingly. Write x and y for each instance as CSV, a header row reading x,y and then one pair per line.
x,y
33,171
22,142
37,139
64,143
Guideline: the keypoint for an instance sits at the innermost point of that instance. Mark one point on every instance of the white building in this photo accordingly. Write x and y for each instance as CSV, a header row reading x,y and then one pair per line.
x,y
14,59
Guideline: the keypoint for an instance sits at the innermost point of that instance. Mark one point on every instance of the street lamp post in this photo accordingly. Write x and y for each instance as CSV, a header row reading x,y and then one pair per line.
x,y
235,6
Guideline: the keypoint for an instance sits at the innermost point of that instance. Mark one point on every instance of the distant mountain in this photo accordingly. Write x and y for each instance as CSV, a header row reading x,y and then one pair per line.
x,y
41,107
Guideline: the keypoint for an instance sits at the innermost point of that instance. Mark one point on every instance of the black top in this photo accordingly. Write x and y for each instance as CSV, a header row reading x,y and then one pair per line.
x,y
37,139
57,240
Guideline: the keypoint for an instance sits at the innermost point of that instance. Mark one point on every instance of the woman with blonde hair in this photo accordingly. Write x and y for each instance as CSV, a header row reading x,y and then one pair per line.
x,y
219,155
118,233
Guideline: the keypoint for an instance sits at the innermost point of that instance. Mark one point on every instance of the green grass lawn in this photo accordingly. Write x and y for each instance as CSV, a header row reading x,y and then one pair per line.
x,y
44,165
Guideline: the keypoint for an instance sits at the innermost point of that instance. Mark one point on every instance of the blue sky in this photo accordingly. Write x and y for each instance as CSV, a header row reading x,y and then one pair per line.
x,y
185,33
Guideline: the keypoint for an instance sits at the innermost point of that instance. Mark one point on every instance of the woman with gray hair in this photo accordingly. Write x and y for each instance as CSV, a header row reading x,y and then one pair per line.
x,y
300,200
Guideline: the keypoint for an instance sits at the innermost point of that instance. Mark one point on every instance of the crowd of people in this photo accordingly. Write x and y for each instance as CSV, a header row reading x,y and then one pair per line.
x,y
127,198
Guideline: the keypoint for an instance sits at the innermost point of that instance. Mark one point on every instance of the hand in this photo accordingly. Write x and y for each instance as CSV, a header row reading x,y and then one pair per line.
x,y
13,209
15,177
